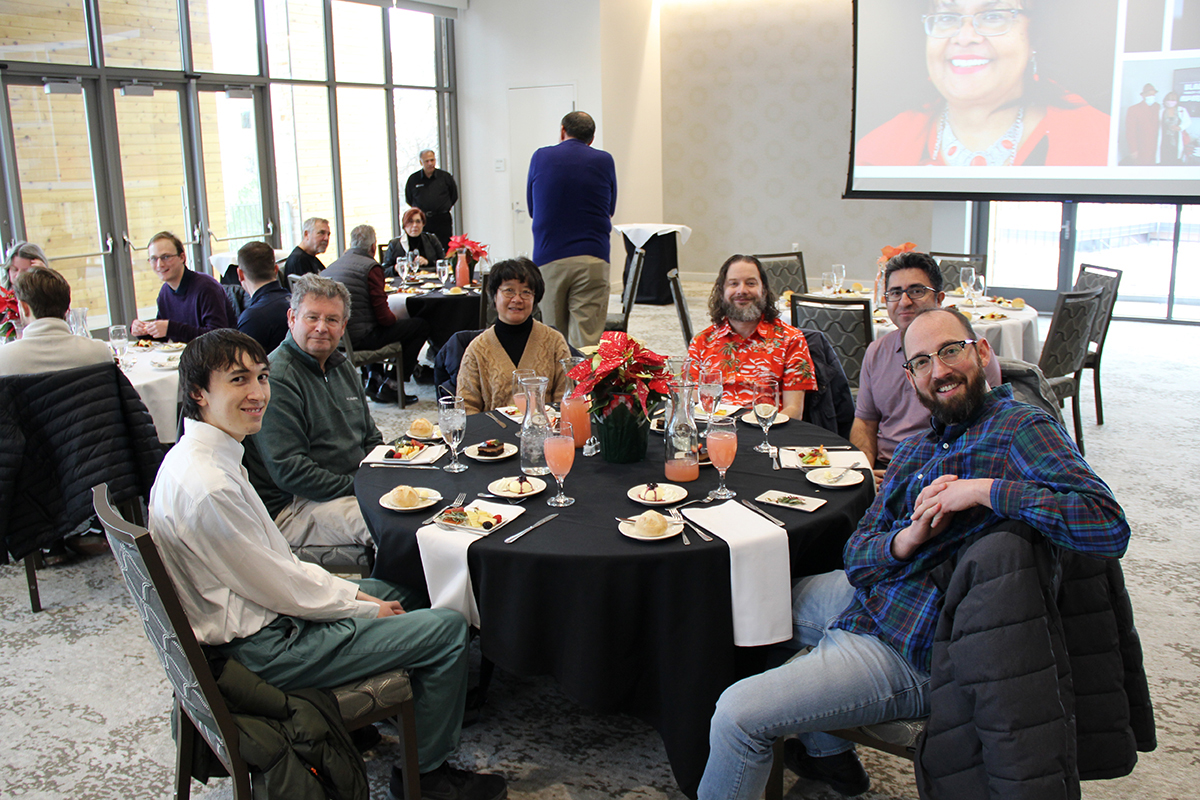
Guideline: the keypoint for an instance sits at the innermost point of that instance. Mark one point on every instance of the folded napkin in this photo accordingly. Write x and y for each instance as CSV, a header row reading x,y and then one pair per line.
x,y
426,456
759,573
790,459
444,557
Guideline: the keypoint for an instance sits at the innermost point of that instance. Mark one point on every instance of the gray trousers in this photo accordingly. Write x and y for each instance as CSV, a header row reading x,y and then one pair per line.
x,y
576,299
431,644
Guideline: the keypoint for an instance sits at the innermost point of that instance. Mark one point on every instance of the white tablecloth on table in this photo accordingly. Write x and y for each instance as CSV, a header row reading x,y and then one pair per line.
x,y
1015,337
641,232
159,390
444,559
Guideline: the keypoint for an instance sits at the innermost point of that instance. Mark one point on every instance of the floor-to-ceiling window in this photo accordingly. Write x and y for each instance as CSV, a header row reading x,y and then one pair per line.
x,y
222,121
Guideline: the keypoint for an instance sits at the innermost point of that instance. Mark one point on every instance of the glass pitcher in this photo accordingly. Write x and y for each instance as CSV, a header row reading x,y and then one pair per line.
x,y
575,409
535,427
77,321
680,437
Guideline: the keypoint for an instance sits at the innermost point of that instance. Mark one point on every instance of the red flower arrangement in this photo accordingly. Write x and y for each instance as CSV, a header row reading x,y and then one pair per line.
x,y
622,366
889,251
475,251
8,315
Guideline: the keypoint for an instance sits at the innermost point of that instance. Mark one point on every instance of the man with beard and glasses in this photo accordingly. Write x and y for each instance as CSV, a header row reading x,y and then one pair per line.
x,y
985,458
748,341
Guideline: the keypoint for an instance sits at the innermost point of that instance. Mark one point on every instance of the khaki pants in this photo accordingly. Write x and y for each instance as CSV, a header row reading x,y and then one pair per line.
x,y
576,299
336,522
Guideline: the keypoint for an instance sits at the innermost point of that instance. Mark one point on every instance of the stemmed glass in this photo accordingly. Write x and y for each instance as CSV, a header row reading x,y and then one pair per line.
x,y
560,455
443,270
979,289
721,438
966,280
839,276
766,406
712,384
118,340
452,419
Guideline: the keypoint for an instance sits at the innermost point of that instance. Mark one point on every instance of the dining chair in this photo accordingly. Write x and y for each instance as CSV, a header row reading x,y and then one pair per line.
x,y
785,271
831,404
1029,385
60,434
681,306
201,706
951,265
1109,281
390,354
620,322
1066,348
845,321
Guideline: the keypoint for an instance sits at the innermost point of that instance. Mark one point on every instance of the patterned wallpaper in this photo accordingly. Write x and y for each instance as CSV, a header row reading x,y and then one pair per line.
x,y
756,136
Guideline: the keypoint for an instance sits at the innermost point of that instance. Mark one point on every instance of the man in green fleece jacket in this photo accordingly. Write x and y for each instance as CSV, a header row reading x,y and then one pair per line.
x,y
317,428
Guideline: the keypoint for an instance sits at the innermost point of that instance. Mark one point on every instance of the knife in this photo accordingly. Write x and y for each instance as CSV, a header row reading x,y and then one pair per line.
x,y
519,534
405,466
755,508
495,419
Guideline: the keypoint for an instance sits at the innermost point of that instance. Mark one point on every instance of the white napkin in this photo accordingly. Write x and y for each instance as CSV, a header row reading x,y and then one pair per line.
x,y
426,456
444,557
790,459
759,571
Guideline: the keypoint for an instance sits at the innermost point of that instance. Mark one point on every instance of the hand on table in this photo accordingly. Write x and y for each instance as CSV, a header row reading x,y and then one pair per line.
x,y
422,261
155,329
387,608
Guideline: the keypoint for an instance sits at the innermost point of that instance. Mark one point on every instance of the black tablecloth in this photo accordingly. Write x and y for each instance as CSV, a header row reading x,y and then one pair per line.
x,y
446,314
638,627
662,256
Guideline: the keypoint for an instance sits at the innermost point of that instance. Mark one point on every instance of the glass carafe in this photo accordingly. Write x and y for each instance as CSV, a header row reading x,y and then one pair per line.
x,y
535,427
682,441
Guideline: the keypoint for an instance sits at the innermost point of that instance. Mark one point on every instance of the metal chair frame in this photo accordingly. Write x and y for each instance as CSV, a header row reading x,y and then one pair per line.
x,y
620,322
681,306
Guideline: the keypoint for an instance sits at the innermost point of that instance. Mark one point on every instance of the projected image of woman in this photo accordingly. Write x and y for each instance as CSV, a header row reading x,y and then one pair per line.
x,y
995,108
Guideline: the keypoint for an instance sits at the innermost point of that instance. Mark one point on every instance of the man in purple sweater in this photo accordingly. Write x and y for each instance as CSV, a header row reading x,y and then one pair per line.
x,y
571,195
189,303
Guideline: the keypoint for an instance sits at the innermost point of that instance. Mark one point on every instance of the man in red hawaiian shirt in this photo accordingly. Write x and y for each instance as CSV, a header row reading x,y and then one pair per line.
x,y
747,340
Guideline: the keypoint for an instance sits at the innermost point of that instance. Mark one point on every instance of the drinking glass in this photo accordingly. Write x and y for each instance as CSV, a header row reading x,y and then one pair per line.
x,y
443,270
827,282
452,419
839,276
118,340
766,406
979,288
519,393
560,455
77,322
722,447
966,279
712,384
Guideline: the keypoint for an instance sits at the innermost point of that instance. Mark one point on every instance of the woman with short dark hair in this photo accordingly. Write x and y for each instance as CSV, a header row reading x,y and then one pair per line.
x,y
415,237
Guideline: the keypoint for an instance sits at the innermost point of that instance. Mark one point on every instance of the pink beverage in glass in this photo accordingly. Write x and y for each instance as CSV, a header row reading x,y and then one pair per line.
x,y
722,447
575,411
682,470
560,454
519,402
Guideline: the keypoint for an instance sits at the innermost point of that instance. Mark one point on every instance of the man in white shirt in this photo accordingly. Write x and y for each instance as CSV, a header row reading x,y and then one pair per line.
x,y
47,344
292,623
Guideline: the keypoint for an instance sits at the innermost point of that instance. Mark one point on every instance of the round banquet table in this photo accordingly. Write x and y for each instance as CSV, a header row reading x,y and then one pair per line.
x,y
644,628
1013,337
159,390
447,314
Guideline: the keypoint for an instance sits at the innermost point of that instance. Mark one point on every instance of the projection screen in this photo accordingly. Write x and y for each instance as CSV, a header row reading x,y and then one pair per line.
x,y
1026,99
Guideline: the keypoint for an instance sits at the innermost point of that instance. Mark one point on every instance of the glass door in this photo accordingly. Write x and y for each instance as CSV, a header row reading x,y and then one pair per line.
x,y
1137,239
58,191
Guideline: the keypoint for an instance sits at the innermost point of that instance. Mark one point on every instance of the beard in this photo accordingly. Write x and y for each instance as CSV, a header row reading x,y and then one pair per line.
x,y
959,409
748,313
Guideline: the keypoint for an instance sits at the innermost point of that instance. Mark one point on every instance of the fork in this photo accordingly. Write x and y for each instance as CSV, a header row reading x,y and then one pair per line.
x,y
678,517
774,458
838,477
458,501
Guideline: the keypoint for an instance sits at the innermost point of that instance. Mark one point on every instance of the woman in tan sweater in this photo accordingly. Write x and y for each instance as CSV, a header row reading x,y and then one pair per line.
x,y
516,341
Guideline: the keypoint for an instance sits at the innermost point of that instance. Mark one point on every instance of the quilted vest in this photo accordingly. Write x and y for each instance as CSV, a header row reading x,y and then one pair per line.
x,y
351,270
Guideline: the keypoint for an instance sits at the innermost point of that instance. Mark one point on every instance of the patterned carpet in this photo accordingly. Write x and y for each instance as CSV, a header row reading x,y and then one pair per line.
x,y
84,701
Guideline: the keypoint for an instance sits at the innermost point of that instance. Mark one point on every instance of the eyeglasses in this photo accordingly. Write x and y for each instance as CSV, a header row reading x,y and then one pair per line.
x,y
949,354
156,259
987,23
913,292
509,294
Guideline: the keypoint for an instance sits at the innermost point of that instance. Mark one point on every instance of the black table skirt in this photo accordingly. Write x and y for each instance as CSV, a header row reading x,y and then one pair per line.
x,y
638,627
662,256
446,315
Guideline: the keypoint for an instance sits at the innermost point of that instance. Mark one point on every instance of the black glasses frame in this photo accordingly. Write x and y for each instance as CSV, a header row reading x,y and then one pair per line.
x,y
916,369
922,291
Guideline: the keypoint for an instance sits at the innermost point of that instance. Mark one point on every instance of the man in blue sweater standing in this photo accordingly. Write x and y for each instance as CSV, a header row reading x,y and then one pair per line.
x,y
571,195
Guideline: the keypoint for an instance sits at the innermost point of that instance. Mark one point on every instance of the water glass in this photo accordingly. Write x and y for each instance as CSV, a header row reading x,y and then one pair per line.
x,y
828,283
966,279
452,419
77,322
712,385
766,407
979,287
839,276
444,266
118,340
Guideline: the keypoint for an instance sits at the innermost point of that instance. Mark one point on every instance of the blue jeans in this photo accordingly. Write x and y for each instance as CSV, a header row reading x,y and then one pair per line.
x,y
847,679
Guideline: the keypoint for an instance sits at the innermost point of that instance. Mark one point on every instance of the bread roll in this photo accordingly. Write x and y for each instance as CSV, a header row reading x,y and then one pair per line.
x,y
1018,303
404,496
650,524
421,427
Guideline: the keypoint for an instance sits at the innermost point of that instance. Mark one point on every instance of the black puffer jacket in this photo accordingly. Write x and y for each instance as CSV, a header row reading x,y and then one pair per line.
x,y
1037,678
61,433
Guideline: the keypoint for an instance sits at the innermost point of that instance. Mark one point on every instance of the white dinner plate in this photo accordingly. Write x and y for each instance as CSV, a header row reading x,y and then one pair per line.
x,y
165,360
673,529
170,347
792,500
506,513
435,436
472,451
750,419
428,498
673,494
538,485
822,476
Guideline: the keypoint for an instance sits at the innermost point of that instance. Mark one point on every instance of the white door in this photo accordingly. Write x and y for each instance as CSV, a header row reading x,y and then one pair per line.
x,y
534,117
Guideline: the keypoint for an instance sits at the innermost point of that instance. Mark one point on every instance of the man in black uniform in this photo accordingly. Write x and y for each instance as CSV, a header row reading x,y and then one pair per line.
x,y
433,191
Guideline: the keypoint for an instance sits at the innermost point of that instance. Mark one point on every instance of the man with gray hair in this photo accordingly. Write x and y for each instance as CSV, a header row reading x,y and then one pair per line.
x,y
313,241
317,428
372,324
433,191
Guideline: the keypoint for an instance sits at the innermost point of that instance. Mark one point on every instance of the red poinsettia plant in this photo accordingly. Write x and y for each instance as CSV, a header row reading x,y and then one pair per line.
x,y
8,315
474,250
622,368
889,251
